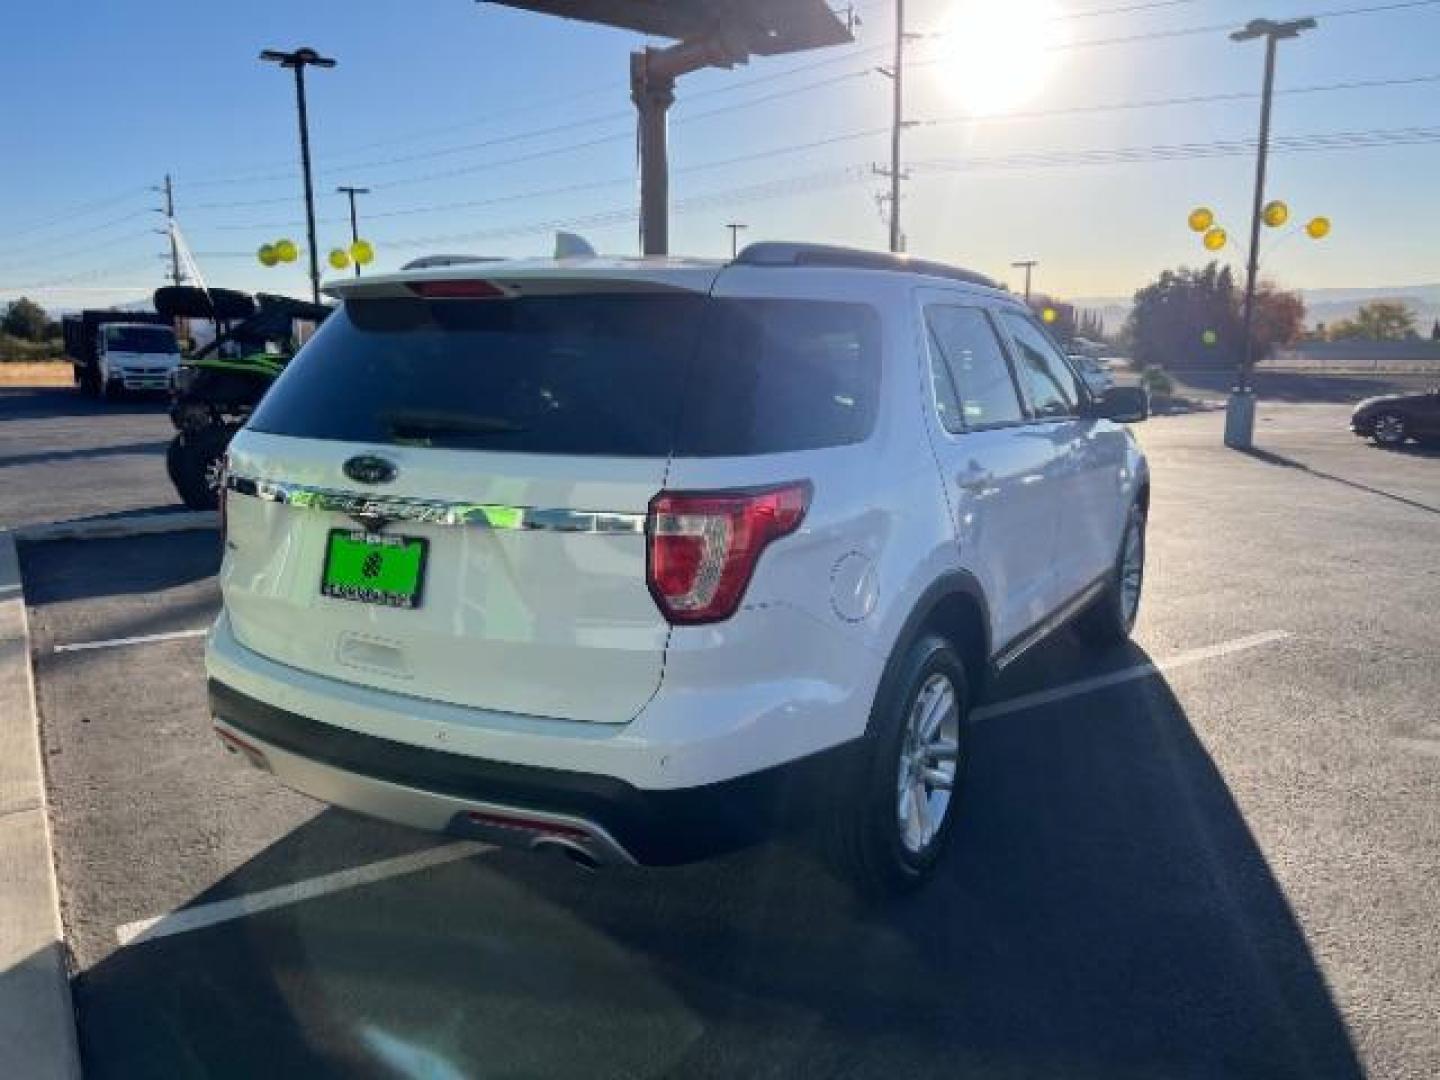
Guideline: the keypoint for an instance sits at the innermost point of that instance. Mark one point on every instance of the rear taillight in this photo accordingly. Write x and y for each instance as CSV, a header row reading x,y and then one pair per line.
x,y
703,545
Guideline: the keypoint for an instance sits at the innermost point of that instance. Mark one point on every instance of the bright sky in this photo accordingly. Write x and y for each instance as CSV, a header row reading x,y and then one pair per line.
x,y
527,120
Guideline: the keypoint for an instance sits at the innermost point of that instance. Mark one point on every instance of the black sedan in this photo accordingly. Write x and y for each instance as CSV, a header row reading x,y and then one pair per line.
x,y
1392,419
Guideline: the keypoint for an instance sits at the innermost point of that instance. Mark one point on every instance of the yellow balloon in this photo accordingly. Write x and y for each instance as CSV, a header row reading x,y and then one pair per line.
x,y
1201,218
362,252
286,250
267,255
1049,315
339,259
1275,214
1214,239
1318,227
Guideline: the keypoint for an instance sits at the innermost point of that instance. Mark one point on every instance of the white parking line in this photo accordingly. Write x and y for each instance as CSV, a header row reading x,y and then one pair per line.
x,y
1124,675
203,915
143,639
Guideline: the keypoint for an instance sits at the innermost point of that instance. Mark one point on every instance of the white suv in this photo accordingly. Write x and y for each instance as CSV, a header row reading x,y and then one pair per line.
x,y
637,559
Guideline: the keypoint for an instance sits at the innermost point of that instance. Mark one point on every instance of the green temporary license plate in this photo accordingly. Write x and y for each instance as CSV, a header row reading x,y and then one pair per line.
x,y
374,568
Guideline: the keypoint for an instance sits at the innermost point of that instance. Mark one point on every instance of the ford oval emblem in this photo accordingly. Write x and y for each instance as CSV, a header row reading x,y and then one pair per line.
x,y
367,469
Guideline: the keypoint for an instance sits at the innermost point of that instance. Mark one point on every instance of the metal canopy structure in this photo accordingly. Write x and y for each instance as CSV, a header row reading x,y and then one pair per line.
x,y
707,33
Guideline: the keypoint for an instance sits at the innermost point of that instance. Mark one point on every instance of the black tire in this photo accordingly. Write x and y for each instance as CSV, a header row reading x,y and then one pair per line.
x,y
1109,620
868,842
112,390
1389,430
192,459
88,381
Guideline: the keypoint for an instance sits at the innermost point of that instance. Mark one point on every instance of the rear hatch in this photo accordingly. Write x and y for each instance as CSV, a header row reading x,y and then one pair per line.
x,y
444,495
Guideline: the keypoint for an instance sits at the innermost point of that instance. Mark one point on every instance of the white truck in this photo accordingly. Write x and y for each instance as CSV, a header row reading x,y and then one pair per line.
x,y
117,351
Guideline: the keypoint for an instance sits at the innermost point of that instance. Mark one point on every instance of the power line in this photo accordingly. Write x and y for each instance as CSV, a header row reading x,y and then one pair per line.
x,y
745,84
1337,140
730,88
1192,99
62,237
78,210
83,275
1316,142
623,135
102,246
1196,99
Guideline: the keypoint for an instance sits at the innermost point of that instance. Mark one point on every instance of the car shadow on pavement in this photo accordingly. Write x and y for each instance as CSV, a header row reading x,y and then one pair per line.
x,y
150,446
49,403
61,570
1272,458
1105,911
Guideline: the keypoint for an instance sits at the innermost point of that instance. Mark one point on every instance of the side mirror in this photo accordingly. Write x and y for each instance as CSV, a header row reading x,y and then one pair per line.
x,y
1122,404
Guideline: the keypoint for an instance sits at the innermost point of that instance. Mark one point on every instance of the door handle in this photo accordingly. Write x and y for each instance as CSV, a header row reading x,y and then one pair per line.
x,y
975,483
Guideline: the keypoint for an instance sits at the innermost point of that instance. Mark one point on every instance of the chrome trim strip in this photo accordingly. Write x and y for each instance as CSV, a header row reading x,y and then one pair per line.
x,y
436,511
1027,640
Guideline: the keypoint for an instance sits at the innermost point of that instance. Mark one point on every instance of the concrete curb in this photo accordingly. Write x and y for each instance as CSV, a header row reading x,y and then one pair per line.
x,y
124,525
37,1019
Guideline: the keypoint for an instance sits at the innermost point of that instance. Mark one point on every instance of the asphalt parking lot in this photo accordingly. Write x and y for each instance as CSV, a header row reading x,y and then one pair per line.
x,y
1214,853
64,457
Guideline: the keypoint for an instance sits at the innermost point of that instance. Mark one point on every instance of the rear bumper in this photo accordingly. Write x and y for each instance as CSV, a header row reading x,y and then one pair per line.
x,y
607,821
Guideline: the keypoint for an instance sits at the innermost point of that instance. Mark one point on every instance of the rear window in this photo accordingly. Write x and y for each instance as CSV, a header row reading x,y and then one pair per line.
x,y
589,374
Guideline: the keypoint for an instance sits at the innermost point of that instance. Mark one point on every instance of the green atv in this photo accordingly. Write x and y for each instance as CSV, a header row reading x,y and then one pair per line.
x,y
217,388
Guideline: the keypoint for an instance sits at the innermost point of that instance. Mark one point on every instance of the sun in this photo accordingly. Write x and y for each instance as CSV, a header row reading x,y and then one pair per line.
x,y
997,56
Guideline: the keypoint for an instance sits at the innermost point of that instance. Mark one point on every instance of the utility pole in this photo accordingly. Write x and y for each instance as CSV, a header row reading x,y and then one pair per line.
x,y
1240,408
170,231
354,224
168,190
1028,264
895,173
896,75
897,120
298,61
735,228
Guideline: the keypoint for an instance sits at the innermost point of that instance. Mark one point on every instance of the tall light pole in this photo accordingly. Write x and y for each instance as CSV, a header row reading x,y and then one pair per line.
x,y
1240,409
298,61
354,222
1028,264
735,228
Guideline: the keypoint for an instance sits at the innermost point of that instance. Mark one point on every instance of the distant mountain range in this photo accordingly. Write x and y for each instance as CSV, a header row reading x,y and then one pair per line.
x,y
1321,305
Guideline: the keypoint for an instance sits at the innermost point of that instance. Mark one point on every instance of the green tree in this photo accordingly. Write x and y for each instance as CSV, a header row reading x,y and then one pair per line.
x,y
25,319
1194,318
1186,318
1379,320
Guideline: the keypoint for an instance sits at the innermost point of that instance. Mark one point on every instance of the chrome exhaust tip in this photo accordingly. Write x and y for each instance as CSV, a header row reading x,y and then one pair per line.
x,y
569,849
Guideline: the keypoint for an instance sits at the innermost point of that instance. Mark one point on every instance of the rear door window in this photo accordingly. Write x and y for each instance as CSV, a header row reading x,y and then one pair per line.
x,y
782,375
966,341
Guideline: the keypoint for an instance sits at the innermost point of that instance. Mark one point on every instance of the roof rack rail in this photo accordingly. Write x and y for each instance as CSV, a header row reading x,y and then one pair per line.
x,y
427,261
780,253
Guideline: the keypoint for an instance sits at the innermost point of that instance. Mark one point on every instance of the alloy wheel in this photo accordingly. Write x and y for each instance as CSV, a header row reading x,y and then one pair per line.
x,y
929,761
